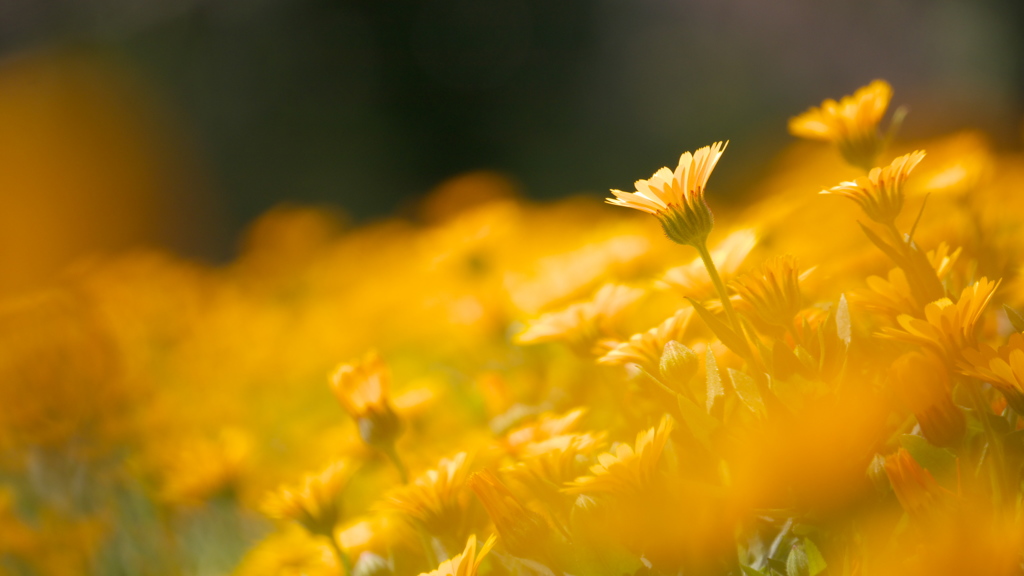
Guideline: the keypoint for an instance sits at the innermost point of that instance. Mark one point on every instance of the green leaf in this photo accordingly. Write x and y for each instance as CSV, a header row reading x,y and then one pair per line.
x,y
1015,318
700,423
844,329
815,561
748,392
797,563
748,571
714,381
731,339
939,461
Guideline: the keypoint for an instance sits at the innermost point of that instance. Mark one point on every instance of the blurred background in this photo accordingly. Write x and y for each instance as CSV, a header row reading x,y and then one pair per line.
x,y
175,123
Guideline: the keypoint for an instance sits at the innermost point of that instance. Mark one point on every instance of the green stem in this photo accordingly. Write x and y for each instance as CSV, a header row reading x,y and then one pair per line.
x,y
709,264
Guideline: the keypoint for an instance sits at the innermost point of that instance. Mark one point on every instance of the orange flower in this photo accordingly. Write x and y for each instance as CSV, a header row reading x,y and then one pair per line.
x,y
915,487
880,193
774,293
646,348
628,470
851,124
677,197
524,532
1002,368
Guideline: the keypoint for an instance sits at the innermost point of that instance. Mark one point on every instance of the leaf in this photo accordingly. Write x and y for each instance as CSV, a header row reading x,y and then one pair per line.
x,y
714,379
748,392
748,571
700,423
939,461
882,245
733,341
1015,318
843,327
797,563
815,561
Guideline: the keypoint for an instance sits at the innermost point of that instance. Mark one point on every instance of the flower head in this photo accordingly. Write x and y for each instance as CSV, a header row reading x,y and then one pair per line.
x,y
773,294
437,500
880,193
915,487
523,531
1002,368
628,470
646,348
362,389
314,502
582,325
851,124
466,563
947,328
677,197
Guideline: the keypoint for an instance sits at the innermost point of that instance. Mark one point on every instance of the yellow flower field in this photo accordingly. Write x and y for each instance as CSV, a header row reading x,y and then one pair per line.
x,y
792,383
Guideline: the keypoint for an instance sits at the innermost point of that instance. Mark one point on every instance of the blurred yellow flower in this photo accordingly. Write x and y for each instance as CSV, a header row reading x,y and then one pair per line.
x,y
437,501
628,470
880,194
677,197
646,348
1002,368
523,532
584,324
851,124
313,503
692,280
362,389
467,563
204,468
922,381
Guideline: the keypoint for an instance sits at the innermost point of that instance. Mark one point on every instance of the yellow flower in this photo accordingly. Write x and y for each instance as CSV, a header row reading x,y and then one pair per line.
x,y
437,501
627,470
773,295
1002,368
524,532
851,124
893,295
583,324
546,426
314,502
646,348
546,465
362,389
204,468
677,197
880,193
947,328
921,380
465,564
290,553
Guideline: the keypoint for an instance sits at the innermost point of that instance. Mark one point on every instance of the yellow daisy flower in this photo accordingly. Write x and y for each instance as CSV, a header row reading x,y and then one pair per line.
x,y
465,564
524,532
1002,368
314,502
676,198
947,328
851,124
628,470
880,194
646,348
773,294
437,501
584,324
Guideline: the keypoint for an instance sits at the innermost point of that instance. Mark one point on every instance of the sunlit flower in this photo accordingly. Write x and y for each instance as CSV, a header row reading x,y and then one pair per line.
x,y
546,465
290,553
583,324
893,295
921,380
626,470
773,293
677,197
880,193
1002,368
436,501
546,426
947,328
646,348
314,503
362,389
851,124
465,564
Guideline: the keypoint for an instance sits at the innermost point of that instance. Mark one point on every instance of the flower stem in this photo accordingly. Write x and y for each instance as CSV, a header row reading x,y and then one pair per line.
x,y
709,265
392,455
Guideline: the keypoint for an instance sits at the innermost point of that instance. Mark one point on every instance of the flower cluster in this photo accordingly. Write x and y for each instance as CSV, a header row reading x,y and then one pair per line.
x,y
783,387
